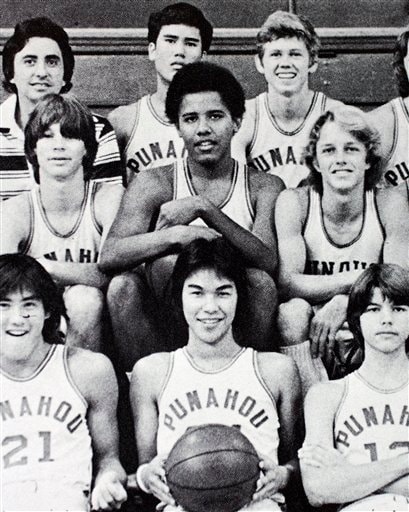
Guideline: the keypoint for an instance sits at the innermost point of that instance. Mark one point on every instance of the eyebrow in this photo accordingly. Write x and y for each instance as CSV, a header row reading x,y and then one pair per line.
x,y
50,56
189,38
219,288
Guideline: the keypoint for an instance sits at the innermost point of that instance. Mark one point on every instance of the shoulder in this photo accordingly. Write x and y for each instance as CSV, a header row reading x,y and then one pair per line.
x,y
150,372
123,118
383,119
387,196
260,181
325,396
294,201
92,373
107,197
17,208
331,103
156,181
275,367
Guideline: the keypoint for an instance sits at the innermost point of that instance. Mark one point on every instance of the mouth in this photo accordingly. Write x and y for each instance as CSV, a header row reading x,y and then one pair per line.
x,y
17,333
177,65
386,333
286,75
342,171
41,85
205,144
210,321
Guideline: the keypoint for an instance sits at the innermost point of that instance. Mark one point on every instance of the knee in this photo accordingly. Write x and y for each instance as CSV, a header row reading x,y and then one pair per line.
x,y
122,289
84,302
293,321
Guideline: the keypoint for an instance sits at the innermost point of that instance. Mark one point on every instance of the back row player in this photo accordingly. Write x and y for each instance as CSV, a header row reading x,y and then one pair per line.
x,y
38,60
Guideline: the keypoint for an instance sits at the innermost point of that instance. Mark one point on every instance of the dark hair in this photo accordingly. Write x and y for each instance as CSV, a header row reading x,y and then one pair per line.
x,y
219,256
286,24
19,272
401,76
75,120
204,77
181,13
357,123
36,27
393,282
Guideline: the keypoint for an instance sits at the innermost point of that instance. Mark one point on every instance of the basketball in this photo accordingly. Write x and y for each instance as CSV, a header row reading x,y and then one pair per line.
x,y
212,468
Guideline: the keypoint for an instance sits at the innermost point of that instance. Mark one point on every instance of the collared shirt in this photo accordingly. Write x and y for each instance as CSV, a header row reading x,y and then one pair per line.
x,y
16,174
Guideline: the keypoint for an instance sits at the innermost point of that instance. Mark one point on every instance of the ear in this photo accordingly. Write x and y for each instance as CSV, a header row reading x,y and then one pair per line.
x,y
236,124
47,315
151,51
259,64
204,54
315,162
313,68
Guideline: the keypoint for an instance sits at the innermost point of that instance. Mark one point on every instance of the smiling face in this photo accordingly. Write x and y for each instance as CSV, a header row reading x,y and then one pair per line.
x,y
38,69
206,126
209,305
341,158
384,325
285,65
176,46
57,155
22,317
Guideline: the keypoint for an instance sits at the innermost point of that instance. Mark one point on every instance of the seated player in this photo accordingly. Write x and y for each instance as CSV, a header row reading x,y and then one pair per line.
x,y
178,34
204,196
328,233
62,220
356,449
392,120
208,287
59,434
277,123
38,60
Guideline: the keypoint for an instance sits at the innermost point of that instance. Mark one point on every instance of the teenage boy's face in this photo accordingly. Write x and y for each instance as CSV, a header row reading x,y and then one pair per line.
x,y
285,64
57,155
206,126
176,46
22,318
38,69
384,325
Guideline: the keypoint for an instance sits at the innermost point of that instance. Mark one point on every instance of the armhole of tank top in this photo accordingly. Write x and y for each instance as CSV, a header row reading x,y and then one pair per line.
x,y
175,179
395,130
28,242
70,377
343,397
171,364
261,379
135,123
376,212
91,197
308,214
255,126
247,192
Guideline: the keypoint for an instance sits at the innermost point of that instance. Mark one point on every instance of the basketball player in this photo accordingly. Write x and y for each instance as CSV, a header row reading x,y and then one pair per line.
x,y
356,451
203,381
58,404
38,60
178,34
392,120
328,233
62,220
204,196
277,123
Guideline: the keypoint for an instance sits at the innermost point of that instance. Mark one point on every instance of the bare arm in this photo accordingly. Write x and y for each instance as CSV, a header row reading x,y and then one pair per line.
x,y
291,211
94,375
393,210
14,223
338,481
122,120
383,119
240,144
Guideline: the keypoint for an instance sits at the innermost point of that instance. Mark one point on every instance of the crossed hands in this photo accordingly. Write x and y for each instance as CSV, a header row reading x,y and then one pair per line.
x,y
108,493
273,478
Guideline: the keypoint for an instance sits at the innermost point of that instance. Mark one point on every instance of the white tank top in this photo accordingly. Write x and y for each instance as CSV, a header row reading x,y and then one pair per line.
x,y
234,395
371,424
153,142
397,167
80,245
236,205
325,256
45,437
277,151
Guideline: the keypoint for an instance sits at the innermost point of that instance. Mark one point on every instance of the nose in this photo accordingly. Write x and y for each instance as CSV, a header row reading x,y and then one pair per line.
x,y
203,125
210,305
41,68
17,315
58,141
386,315
340,155
180,48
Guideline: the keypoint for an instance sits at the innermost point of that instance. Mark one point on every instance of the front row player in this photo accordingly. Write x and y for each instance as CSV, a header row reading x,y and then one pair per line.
x,y
357,444
58,403
203,381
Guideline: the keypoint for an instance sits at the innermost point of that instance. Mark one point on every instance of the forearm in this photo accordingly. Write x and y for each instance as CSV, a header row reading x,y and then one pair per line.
x,y
346,482
316,288
67,273
254,250
399,486
110,464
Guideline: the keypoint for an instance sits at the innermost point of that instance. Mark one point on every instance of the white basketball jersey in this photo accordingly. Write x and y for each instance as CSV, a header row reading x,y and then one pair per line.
x,y
236,205
80,245
397,167
46,444
153,142
324,256
371,424
234,395
277,151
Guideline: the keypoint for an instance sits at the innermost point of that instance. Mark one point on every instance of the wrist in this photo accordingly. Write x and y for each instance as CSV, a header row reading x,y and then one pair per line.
x,y
139,479
286,472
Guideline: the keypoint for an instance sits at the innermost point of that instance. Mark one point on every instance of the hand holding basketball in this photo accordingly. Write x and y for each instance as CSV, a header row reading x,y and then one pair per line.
x,y
108,493
154,479
272,479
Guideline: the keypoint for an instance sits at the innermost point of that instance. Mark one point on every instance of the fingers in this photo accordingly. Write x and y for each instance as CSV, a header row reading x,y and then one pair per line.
x,y
108,496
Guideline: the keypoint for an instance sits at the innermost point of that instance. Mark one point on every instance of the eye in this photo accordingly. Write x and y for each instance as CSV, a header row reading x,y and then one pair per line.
x,y
53,62
29,61
372,309
224,294
216,115
191,44
327,150
189,119
4,305
47,134
400,309
352,148
31,304
170,40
